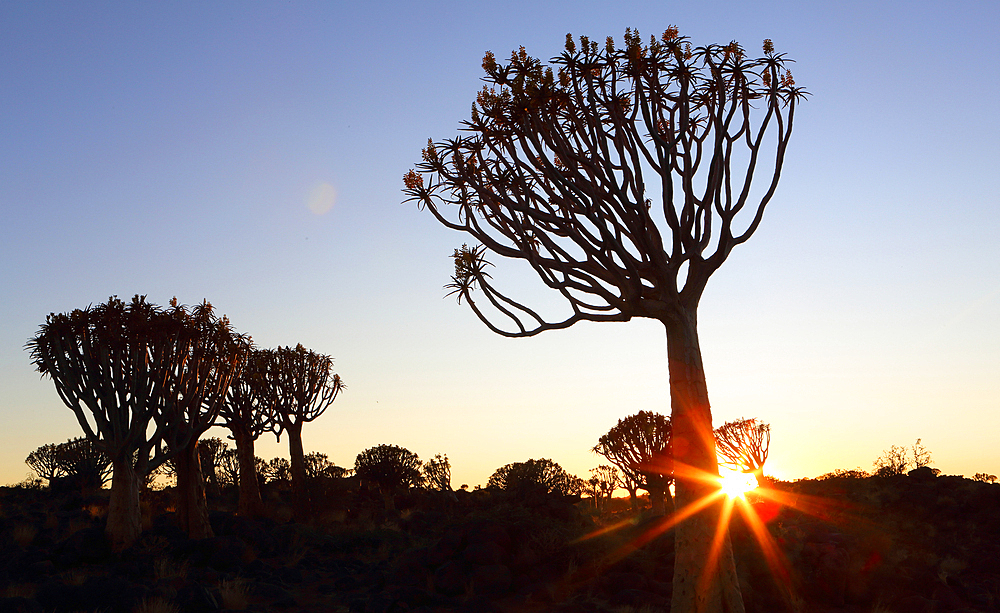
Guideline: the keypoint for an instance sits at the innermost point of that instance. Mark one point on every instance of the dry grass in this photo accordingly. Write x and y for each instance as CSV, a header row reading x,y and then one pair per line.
x,y
165,568
19,590
157,605
234,594
23,534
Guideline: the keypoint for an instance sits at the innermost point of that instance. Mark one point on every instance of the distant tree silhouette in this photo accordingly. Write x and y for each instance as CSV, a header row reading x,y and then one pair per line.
x,y
604,480
984,478
247,414
45,461
437,473
554,172
542,475
896,460
143,382
298,386
640,445
743,445
83,464
278,470
390,468
319,466
210,452
229,469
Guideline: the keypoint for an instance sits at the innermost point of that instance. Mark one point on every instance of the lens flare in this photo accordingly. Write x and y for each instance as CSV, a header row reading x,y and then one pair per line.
x,y
321,198
736,484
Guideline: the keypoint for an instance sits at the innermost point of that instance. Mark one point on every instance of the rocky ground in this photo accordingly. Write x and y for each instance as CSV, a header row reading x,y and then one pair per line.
x,y
910,544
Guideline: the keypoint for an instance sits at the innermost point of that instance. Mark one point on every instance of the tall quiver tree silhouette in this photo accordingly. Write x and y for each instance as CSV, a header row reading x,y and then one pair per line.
x,y
110,364
206,354
300,386
554,172
247,416
640,445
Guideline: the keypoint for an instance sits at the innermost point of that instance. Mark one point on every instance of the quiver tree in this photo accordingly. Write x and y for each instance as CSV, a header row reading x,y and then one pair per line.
x,y
297,385
46,463
390,468
743,445
207,354
211,451
247,415
640,445
604,480
618,174
109,364
83,465
534,476
437,473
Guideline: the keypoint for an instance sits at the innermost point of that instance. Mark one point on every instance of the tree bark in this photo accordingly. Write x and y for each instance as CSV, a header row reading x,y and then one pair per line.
x,y
250,504
296,457
655,488
704,581
192,507
124,515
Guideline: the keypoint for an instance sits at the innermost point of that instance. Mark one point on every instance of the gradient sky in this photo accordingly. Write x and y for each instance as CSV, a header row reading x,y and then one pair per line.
x,y
252,154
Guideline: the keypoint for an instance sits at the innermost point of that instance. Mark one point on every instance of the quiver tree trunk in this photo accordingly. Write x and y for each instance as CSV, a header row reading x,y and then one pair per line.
x,y
250,504
192,506
659,496
124,514
296,457
704,575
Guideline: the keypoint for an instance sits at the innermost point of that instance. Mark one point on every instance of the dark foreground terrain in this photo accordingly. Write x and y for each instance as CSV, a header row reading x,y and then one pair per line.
x,y
909,544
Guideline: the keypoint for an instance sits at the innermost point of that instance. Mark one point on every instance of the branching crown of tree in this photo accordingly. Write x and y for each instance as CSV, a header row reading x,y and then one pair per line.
x,y
617,173
300,384
743,444
388,466
639,444
542,475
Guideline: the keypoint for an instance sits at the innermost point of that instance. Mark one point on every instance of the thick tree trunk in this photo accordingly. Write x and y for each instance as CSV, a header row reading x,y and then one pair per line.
x,y
124,514
250,504
297,459
632,499
704,579
655,488
192,507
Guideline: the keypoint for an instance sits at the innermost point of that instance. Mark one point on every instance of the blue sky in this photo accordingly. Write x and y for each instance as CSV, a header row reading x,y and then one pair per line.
x,y
172,149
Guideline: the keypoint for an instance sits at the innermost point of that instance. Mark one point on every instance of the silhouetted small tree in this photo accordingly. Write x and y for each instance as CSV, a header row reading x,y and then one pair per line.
x,y
542,475
84,465
298,385
604,480
45,462
211,451
229,469
437,473
898,460
390,468
278,470
640,445
984,478
743,445
319,466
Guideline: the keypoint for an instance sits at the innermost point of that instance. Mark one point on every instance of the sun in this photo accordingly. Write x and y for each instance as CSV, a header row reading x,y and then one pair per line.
x,y
736,484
